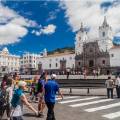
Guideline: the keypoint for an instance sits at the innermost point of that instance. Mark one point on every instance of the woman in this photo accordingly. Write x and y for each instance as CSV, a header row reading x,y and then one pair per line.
x,y
18,100
41,83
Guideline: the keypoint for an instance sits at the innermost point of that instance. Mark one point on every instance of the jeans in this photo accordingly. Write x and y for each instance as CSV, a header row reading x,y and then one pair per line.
x,y
110,92
50,114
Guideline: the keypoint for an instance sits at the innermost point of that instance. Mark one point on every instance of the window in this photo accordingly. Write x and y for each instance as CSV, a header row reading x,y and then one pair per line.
x,y
70,58
56,64
79,63
112,55
49,65
56,59
91,50
103,34
103,62
79,38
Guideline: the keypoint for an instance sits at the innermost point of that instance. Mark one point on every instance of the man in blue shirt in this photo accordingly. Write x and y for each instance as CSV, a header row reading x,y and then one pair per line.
x,y
51,88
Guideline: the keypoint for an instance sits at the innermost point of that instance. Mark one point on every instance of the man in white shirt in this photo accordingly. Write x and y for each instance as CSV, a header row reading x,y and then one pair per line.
x,y
117,83
110,85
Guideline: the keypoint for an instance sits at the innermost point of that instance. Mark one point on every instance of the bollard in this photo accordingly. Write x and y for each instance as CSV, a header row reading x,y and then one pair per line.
x,y
88,91
70,90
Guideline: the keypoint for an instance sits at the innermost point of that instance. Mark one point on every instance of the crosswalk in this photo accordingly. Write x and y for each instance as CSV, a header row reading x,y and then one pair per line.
x,y
94,104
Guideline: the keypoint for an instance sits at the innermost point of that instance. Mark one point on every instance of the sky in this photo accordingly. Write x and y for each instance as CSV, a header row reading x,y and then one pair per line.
x,y
32,25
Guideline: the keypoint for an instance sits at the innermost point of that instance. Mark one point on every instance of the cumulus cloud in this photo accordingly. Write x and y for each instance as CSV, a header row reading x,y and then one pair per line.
x,y
47,30
91,14
13,26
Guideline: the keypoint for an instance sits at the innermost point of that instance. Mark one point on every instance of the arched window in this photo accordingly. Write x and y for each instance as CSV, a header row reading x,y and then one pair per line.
x,y
56,64
103,34
49,65
103,62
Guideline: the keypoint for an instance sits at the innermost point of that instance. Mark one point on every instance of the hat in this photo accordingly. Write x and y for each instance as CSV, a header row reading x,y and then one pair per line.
x,y
22,83
53,76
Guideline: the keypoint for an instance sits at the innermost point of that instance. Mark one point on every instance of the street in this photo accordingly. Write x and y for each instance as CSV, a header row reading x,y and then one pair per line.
x,y
82,108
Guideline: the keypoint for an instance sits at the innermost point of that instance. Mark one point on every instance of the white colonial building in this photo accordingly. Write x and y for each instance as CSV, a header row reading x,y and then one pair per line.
x,y
29,61
8,62
58,61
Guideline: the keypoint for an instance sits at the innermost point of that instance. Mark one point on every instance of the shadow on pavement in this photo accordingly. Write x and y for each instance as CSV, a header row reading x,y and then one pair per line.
x,y
29,115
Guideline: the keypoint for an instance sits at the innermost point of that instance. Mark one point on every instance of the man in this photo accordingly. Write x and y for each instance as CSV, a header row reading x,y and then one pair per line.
x,y
110,85
117,84
51,88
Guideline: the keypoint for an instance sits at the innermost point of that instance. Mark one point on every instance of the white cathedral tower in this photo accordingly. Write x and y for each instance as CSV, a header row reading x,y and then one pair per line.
x,y
81,38
105,36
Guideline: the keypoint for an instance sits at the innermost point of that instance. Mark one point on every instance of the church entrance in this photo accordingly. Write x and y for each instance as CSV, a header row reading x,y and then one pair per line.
x,y
62,64
91,63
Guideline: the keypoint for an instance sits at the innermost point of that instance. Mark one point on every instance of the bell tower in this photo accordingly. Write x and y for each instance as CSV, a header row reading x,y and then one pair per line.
x,y
105,36
80,38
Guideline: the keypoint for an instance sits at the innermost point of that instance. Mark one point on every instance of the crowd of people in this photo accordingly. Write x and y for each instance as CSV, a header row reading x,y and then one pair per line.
x,y
12,96
43,92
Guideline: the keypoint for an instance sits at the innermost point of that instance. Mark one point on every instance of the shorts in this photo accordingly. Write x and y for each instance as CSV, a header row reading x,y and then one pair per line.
x,y
41,97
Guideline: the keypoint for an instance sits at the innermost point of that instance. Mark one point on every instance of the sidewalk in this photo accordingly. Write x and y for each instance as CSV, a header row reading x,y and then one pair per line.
x,y
83,92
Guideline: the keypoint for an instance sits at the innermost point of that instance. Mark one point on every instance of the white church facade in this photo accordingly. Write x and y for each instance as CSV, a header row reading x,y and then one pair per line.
x,y
98,53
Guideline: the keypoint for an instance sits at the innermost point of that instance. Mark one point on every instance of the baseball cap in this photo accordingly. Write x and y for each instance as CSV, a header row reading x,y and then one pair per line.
x,y
53,76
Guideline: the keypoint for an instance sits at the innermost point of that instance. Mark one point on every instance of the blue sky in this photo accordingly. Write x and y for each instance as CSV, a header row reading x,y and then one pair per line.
x,y
31,26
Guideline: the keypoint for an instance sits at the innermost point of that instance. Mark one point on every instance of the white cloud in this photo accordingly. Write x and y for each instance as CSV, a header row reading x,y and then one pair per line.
x,y
47,30
90,13
13,26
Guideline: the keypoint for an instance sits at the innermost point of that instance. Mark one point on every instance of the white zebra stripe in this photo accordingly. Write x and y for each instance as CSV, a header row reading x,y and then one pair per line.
x,y
69,101
112,115
70,97
89,103
103,107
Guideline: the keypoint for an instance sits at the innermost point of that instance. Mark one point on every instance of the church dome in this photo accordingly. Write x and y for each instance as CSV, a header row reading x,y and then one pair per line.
x,y
5,51
116,40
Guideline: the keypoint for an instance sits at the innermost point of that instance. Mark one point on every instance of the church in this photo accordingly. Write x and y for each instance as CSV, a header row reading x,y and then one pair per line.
x,y
99,53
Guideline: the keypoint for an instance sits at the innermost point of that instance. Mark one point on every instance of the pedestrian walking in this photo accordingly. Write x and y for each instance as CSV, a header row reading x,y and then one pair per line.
x,y
109,85
5,98
51,88
68,72
41,83
33,90
117,84
17,102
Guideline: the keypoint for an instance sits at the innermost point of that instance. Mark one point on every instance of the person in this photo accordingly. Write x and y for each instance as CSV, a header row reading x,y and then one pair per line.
x,y
85,73
41,84
4,80
17,102
110,85
117,84
51,88
94,73
5,97
33,92
68,72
